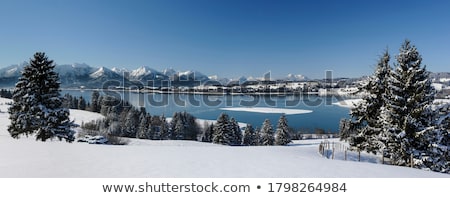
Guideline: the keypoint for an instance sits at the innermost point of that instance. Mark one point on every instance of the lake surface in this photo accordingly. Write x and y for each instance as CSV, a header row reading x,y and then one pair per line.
x,y
315,111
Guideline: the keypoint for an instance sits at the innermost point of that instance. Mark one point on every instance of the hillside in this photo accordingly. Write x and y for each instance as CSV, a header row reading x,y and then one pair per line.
x,y
168,159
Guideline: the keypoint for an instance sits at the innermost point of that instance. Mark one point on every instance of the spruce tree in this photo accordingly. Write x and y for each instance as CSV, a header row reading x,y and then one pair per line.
x,y
131,124
236,132
222,132
408,103
267,136
250,137
82,103
366,123
164,129
207,133
37,107
95,101
144,128
282,135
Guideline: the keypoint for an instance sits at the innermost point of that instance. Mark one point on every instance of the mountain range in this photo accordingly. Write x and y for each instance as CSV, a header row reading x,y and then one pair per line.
x,y
77,75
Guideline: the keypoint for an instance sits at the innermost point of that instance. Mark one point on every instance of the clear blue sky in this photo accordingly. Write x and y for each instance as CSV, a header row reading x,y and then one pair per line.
x,y
229,38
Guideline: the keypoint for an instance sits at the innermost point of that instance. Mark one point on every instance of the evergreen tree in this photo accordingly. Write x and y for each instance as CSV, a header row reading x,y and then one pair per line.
x,y
95,101
144,128
235,132
164,129
191,127
267,138
81,103
222,131
250,136
207,133
282,135
437,156
176,126
407,110
366,115
131,123
37,104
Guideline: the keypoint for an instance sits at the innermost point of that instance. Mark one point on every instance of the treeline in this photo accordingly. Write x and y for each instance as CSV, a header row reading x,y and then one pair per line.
x,y
4,93
124,120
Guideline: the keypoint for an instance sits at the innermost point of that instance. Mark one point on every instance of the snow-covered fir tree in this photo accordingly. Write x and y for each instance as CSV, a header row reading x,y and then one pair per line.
x,y
366,124
95,101
131,123
207,133
282,135
37,107
163,129
408,107
144,131
222,132
267,135
235,132
437,155
82,103
250,137
192,128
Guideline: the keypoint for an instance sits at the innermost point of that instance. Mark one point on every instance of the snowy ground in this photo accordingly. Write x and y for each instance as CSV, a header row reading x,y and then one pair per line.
x,y
349,103
173,159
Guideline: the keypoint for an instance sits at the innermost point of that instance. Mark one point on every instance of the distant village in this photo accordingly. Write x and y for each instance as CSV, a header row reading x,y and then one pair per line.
x,y
342,86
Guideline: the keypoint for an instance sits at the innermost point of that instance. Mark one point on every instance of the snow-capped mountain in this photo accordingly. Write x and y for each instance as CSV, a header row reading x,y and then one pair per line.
x,y
76,69
12,70
120,71
169,72
192,75
222,81
145,74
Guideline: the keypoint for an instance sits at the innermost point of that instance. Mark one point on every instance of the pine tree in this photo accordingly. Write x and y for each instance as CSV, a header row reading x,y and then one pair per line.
x,y
408,103
95,101
236,133
250,136
37,104
207,133
366,115
282,135
191,127
267,138
164,129
222,131
82,103
131,123
144,128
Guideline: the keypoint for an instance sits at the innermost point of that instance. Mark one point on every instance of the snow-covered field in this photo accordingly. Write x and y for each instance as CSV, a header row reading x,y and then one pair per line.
x,y
349,103
268,110
174,159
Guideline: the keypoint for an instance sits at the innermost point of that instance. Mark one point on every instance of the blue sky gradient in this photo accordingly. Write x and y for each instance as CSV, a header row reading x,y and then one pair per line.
x,y
229,38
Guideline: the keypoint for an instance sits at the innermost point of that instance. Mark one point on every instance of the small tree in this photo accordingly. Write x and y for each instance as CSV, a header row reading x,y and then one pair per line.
x,y
235,132
267,138
222,132
81,103
95,102
250,136
282,135
207,133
